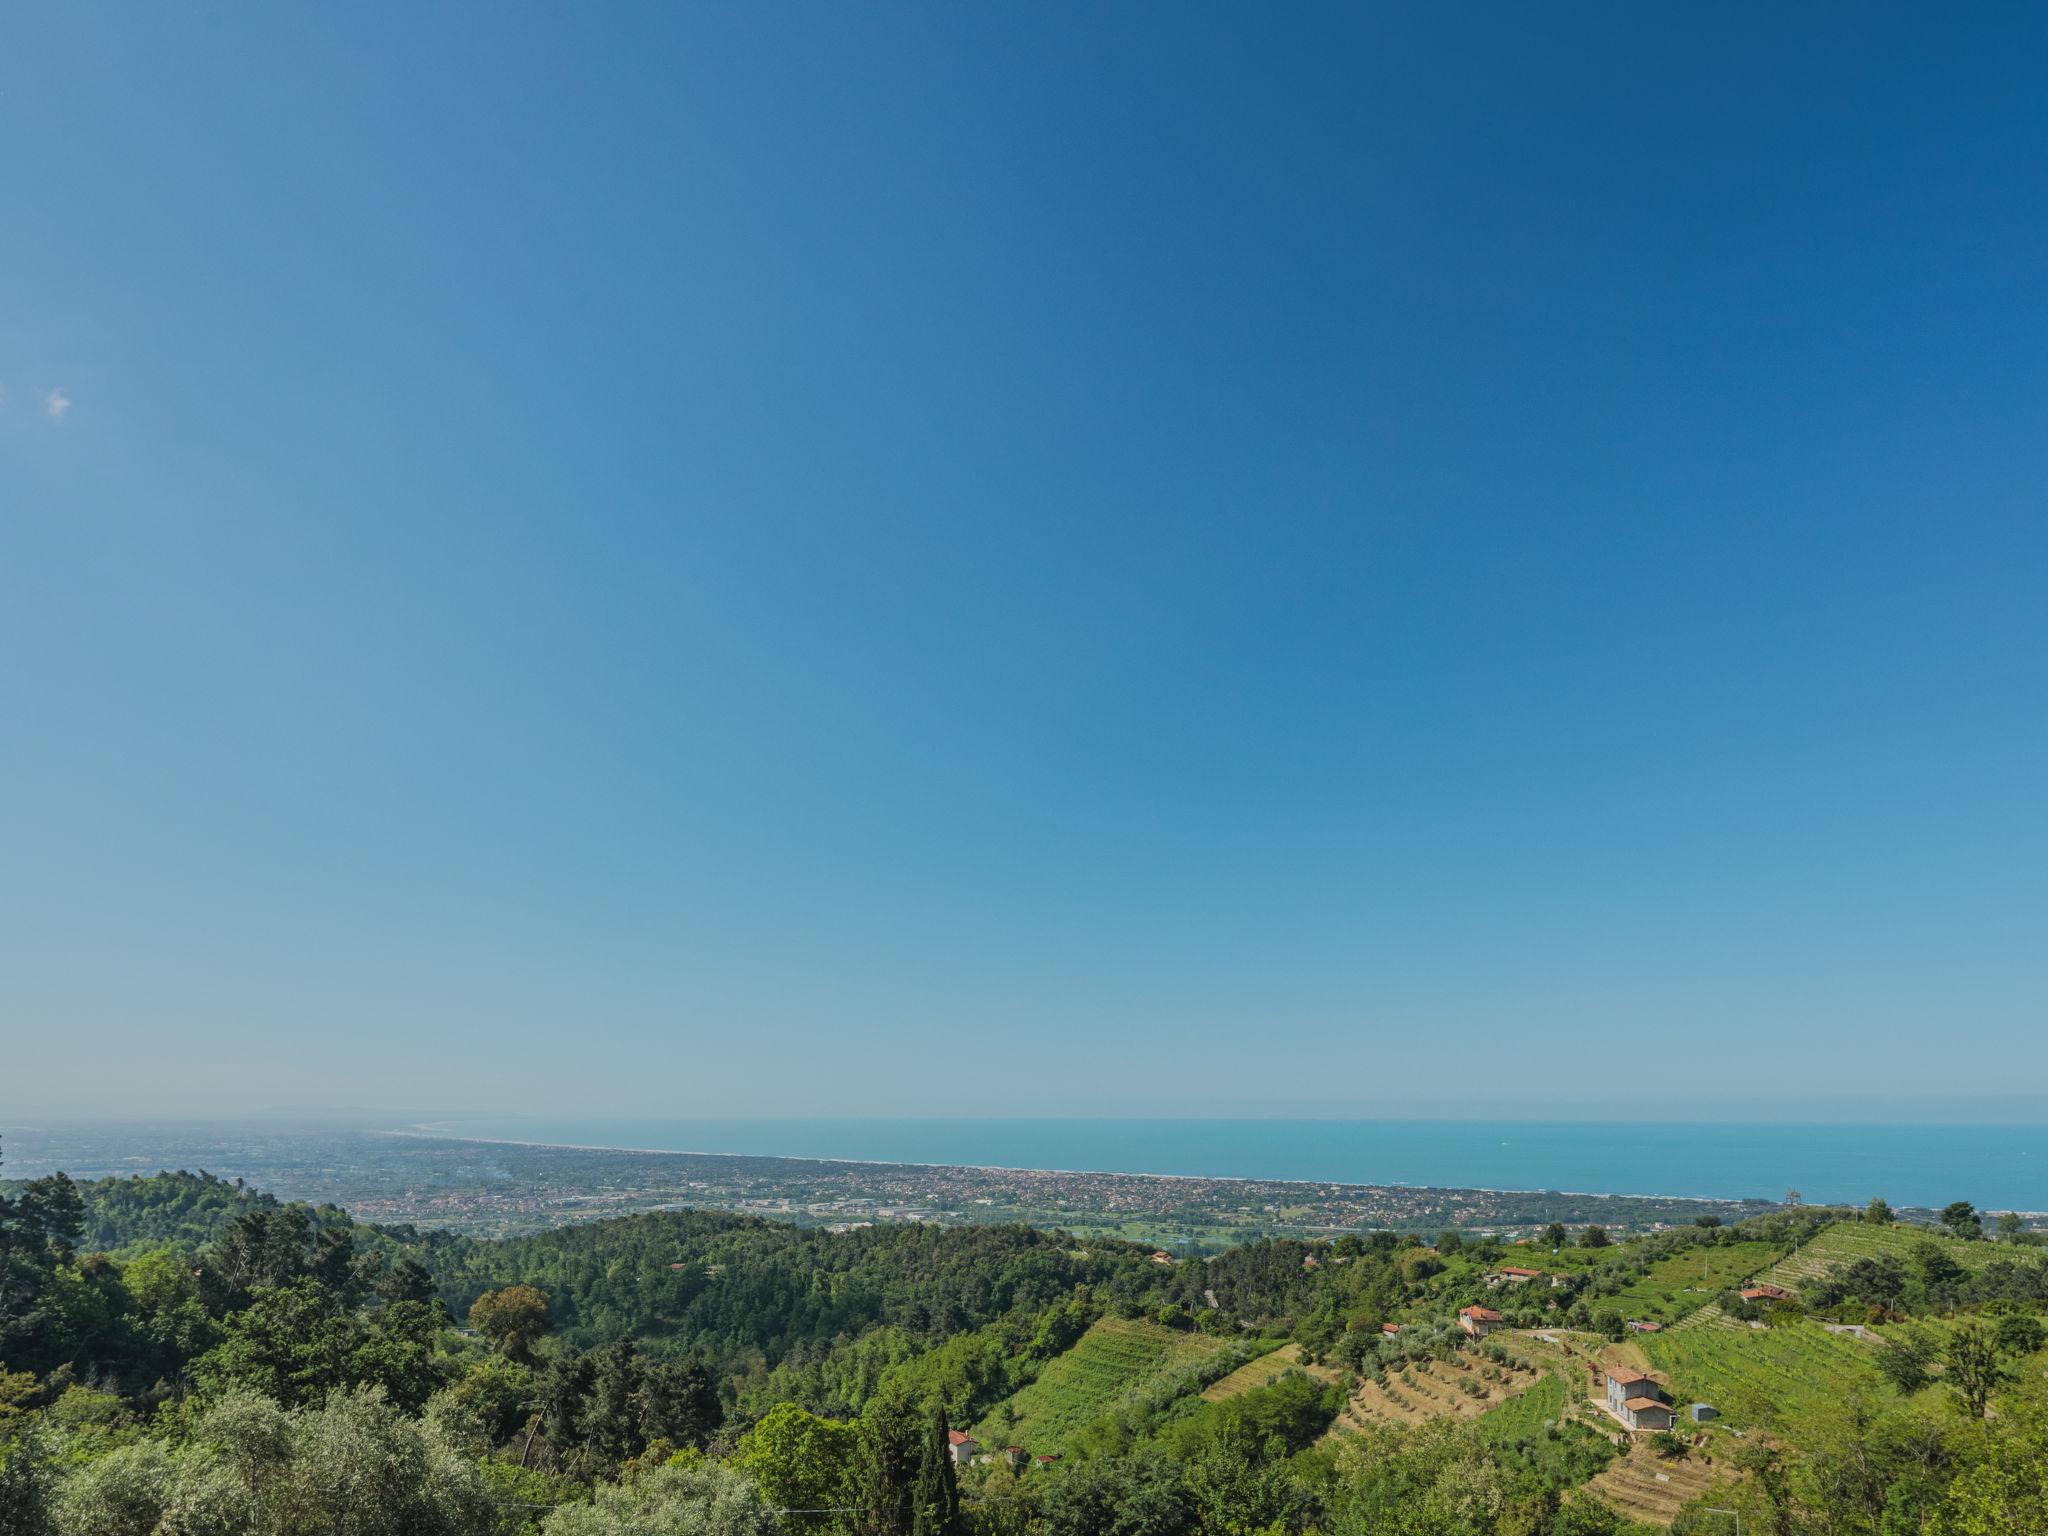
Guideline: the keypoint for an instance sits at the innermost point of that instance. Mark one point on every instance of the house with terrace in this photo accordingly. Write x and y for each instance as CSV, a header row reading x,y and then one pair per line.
x,y
1638,1400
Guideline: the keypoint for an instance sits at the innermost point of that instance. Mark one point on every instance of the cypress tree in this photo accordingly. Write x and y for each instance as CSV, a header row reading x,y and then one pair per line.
x,y
890,1463
936,1506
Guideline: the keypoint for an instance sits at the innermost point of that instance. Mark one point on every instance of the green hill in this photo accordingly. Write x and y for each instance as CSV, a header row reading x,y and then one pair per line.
x,y
1847,1241
1114,1361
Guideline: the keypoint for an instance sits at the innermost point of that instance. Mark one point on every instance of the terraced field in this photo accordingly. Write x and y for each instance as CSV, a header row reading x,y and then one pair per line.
x,y
1264,1371
1449,1390
1682,1284
1646,1487
1761,1377
1114,1360
1709,1316
1444,1391
1847,1241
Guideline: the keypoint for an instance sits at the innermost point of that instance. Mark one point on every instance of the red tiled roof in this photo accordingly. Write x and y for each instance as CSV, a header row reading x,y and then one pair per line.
x,y
1526,1273
1765,1293
1638,1404
960,1437
1479,1314
1629,1378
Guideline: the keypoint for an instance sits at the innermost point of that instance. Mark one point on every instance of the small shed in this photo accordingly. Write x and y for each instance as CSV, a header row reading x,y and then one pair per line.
x,y
1701,1412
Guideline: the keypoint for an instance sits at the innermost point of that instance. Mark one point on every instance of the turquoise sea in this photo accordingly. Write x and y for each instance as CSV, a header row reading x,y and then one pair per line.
x,y
1999,1167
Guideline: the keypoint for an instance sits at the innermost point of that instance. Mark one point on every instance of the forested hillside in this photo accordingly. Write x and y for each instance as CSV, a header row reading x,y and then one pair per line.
x,y
183,1357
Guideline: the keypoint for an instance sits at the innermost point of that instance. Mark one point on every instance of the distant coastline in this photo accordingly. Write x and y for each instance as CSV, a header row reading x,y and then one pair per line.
x,y
1997,1167
1118,1173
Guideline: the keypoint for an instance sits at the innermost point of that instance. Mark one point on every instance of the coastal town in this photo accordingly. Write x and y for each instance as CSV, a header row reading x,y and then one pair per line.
x,y
487,1188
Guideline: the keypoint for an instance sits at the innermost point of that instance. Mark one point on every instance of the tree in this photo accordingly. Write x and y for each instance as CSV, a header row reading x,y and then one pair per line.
x,y
1554,1235
120,1494
24,1490
1709,1223
1879,1212
801,1463
1450,1242
935,1499
486,1405
1939,1276
700,1499
406,1281
290,1343
397,1351
1593,1237
677,1402
50,1211
2010,1226
1118,1496
1903,1360
1974,1371
887,1472
2019,1333
353,1465
1961,1218
512,1319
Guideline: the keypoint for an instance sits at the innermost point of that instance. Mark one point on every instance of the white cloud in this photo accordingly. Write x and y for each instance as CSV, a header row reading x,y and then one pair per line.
x,y
56,404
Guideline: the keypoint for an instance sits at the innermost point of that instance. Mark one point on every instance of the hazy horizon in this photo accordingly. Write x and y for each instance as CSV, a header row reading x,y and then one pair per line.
x,y
1989,1110
1178,561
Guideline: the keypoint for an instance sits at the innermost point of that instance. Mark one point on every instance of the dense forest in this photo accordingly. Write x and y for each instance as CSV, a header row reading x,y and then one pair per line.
x,y
181,1356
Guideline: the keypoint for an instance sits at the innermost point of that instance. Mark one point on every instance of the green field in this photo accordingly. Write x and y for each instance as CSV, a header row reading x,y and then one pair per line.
x,y
1688,1281
1114,1360
1762,1377
1524,1415
1847,1241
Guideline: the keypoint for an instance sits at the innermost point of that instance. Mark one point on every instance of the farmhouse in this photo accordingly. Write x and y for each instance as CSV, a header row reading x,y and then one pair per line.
x,y
1478,1321
1512,1275
1637,1399
1766,1293
962,1446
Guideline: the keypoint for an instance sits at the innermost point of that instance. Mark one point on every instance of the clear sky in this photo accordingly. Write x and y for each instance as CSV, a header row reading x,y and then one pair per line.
x,y
1022,558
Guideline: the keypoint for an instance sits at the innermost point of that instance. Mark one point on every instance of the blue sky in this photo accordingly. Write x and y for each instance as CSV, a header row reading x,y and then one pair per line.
x,y
1020,559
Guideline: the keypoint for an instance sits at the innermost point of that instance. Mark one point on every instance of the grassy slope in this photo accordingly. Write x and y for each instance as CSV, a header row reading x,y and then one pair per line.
x,y
1113,1360
1688,1281
1847,1241
1762,1377
1263,1372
